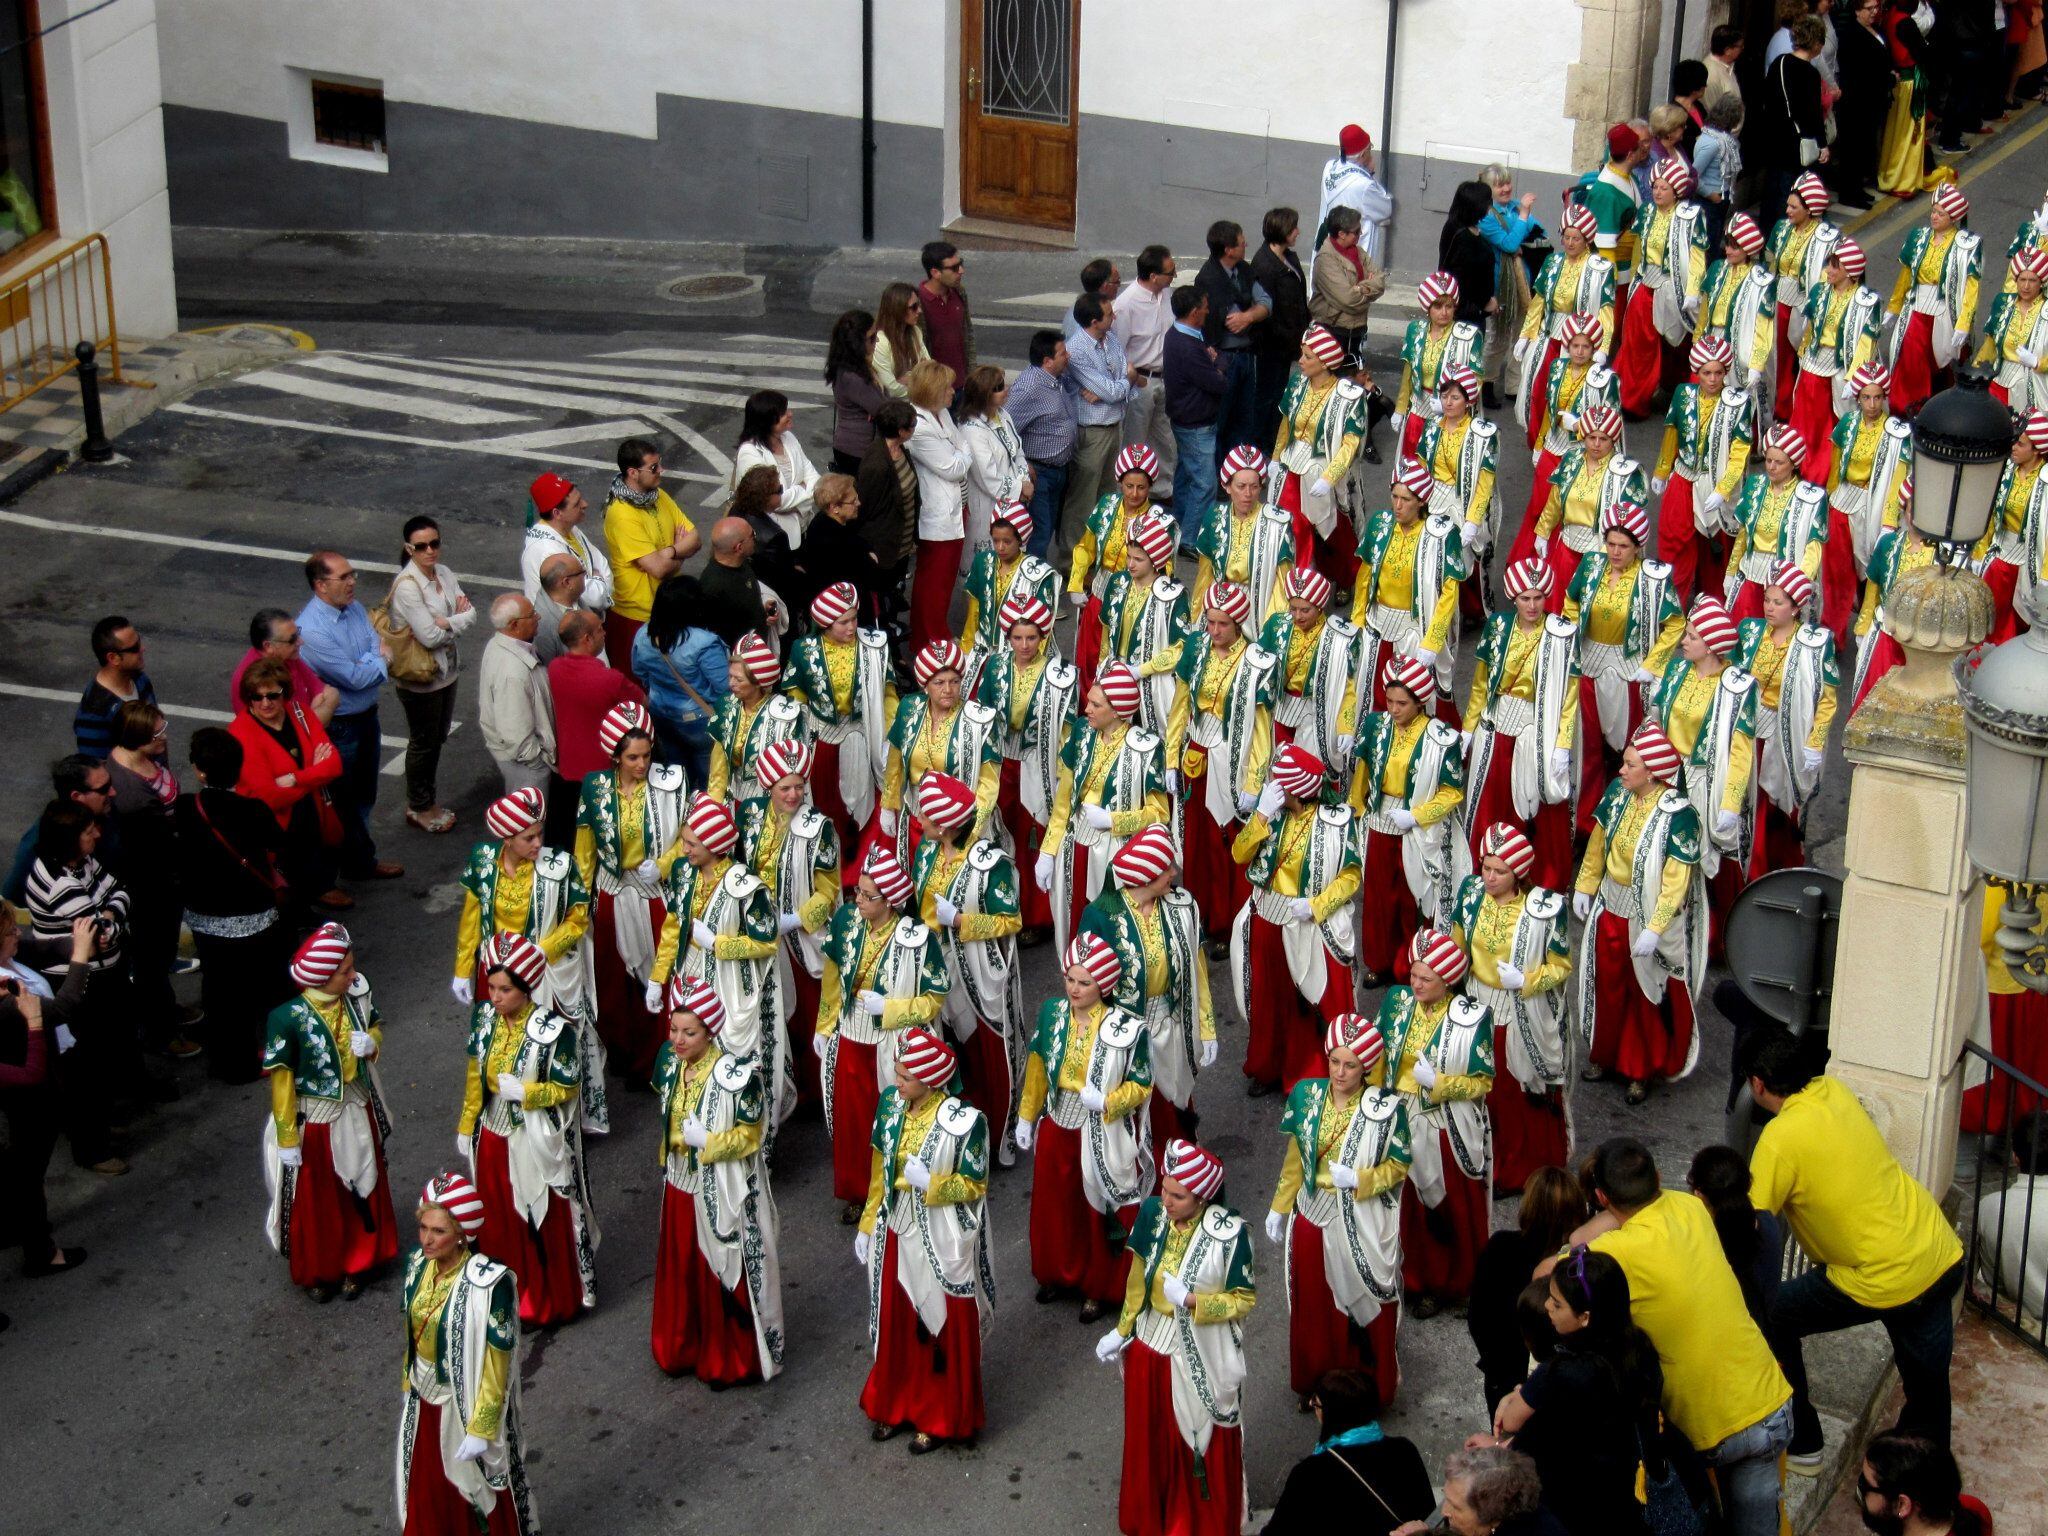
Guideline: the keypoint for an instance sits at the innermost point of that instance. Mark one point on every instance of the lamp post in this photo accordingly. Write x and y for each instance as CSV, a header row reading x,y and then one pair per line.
x,y
2005,705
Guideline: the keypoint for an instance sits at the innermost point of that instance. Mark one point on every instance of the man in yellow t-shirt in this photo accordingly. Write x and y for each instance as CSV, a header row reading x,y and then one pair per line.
x,y
1882,1250
1722,1389
648,539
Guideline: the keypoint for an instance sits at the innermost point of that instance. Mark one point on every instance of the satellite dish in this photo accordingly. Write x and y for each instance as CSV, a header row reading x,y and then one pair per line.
x,y
1781,945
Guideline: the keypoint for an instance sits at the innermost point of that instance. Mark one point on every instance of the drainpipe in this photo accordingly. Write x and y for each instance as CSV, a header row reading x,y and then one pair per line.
x,y
1387,97
867,121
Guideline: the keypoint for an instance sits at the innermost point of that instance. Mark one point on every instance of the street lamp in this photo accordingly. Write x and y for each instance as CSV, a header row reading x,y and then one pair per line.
x,y
1961,440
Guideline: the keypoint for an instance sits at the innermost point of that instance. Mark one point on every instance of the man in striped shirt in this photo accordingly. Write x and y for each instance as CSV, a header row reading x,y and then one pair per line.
x,y
120,679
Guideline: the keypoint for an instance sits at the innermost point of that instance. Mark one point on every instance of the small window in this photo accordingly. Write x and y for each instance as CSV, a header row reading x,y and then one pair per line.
x,y
348,116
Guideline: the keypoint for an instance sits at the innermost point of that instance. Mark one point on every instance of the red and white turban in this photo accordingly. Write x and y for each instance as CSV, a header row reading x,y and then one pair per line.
x,y
759,658
926,1057
1812,193
693,995
1246,457
1630,518
1137,456
1675,174
1504,841
1600,421
321,955
2031,259
1016,516
1092,954
939,656
1949,198
1319,344
1709,350
1146,856
1463,379
834,604
1024,608
1577,327
711,823
510,815
518,957
1306,584
780,759
1528,576
882,867
944,801
1121,688
1659,756
1743,230
620,721
1412,475
1156,536
1579,217
1359,1035
1416,676
1794,583
1712,623
1788,440
1850,255
1298,771
2034,428
1872,373
1200,1173
1230,600
1438,285
453,1193
1436,949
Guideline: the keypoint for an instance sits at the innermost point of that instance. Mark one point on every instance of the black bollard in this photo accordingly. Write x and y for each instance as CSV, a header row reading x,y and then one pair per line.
x,y
95,449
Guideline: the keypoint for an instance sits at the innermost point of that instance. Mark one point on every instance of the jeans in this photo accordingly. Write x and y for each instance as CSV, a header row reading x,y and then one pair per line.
x,y
1922,1334
687,745
1237,420
1194,478
1048,488
354,794
1746,1464
428,716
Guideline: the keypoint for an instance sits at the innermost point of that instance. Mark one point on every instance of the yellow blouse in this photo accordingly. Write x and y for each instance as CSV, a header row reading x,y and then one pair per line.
x,y
1433,343
1334,1126
1491,940
692,1078
1422,1032
897,1012
1686,717
1394,586
1071,1071
1070,797
284,1093
945,1188
1616,859
501,1057
1768,667
1517,680
1203,1306
1296,831
512,912
423,1317
719,785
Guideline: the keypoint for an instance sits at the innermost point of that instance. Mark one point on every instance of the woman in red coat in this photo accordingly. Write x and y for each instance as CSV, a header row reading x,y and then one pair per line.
x,y
287,763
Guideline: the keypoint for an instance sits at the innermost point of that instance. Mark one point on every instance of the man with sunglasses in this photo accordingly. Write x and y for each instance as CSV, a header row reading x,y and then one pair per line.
x,y
948,331
117,648
78,778
273,633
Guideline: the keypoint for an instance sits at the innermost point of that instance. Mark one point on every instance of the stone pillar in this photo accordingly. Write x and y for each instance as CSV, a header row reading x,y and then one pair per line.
x,y
1909,977
1611,82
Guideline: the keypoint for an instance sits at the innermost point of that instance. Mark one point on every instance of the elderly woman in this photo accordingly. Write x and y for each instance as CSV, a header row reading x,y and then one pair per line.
x,y
1145,611
1000,572
1934,303
924,1245
1343,284
461,1455
1590,478
1430,348
748,717
717,1269
936,731
1336,1212
323,1145
1871,463
1573,281
939,456
1032,694
792,849
1245,540
1104,549
1180,1342
1574,386
1710,431
2016,336
521,1131
1323,426
1793,662
1490,1491
1083,1119
288,764
841,676
998,474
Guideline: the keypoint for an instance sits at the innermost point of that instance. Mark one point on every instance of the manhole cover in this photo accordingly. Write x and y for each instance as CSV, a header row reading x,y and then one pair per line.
x,y
712,285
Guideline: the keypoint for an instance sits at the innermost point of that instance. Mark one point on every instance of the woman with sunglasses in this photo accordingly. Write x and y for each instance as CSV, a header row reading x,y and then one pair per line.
x,y
288,764
899,339
430,601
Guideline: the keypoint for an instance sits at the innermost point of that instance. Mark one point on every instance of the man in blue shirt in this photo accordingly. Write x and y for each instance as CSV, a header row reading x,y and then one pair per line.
x,y
338,642
1196,381
117,648
1100,378
1043,413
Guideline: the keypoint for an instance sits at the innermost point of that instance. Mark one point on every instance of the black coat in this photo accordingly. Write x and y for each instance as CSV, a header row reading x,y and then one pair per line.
x,y
1279,335
1788,109
1468,258
887,520
834,551
215,872
1331,1480
732,602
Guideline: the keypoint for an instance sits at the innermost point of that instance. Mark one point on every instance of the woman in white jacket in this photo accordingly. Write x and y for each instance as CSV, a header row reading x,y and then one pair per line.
x,y
766,437
427,598
941,460
996,471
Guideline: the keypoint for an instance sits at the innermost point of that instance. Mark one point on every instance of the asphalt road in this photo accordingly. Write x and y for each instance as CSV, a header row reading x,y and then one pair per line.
x,y
179,1382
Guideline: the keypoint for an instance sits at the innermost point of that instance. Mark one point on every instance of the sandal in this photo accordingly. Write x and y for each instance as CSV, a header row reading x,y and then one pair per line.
x,y
436,819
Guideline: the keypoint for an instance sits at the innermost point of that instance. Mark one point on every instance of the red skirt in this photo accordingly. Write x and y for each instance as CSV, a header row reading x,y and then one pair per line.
x,y
985,1062
1598,762
1524,545
1697,562
1210,874
550,1285
1071,1242
1536,383
1529,1130
1777,844
1440,1247
2019,1034
433,1505
1034,905
700,1328
855,1097
1839,583
1550,834
1321,1336
1914,376
1087,648
1165,1491
1640,358
631,1034
2003,578
826,798
1813,418
335,1232
1337,556
1286,1035
1885,654
1411,430
1638,1039
1390,917
802,1025
932,1384
1788,364
1169,1121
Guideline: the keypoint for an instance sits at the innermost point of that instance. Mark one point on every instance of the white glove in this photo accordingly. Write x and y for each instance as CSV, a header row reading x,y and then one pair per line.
x,y
1042,871
1345,744
65,1039
916,1174
702,934
1173,781
472,1448
1301,910
1343,1176
1464,741
818,1044
872,1003
1091,1098
1814,757
1276,1226
1320,489
1022,1135
510,1087
888,820
464,990
860,1249
1176,1291
647,869
1647,941
949,915
1569,420
362,1042
1521,349
1246,804
1469,533
1425,1074
1511,977
1426,656
1725,823
1405,820
291,1157
464,1146
1582,905
1657,485
694,1134
788,922
1599,358
653,997
2029,356
1271,798
1096,817
1560,762
1715,503
1078,599
1645,675
1208,1053
1109,1346
1542,548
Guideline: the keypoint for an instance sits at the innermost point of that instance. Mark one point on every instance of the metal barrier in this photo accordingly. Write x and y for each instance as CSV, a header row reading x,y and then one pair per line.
x,y
2005,1229
47,310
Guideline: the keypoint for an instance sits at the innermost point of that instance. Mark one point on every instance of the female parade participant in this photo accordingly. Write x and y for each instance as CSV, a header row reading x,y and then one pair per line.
x,y
1104,549
1437,342
1245,540
1645,942
522,1134
1222,733
882,976
1780,517
1793,663
1572,281
924,1244
2013,565
717,1266
1842,321
1739,306
1155,931
1336,1213
1032,693
1112,781
515,886
1441,1045
1521,719
1144,612
747,718
1871,462
323,1146
1575,387
841,675
1180,1341
1709,433
967,895
1407,593
792,849
1087,1074
2016,337
1934,303
1463,455
1000,572
1317,700
1590,478
1293,943
1322,427
1899,551
626,829
1514,936
1801,243
1671,264
936,731
1629,622
1408,783
461,1456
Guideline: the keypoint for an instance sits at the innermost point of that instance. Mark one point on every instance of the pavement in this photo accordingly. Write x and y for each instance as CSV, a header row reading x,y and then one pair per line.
x,y
440,375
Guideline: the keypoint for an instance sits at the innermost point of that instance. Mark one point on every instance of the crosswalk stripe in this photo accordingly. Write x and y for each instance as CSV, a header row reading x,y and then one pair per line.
x,y
588,432
1061,300
483,384
420,406
611,372
698,355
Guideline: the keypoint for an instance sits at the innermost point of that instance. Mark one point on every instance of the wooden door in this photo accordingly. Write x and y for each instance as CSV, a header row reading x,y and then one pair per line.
x,y
1019,69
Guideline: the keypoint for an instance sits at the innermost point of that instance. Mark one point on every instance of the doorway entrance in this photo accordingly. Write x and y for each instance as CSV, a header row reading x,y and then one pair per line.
x,y
1019,126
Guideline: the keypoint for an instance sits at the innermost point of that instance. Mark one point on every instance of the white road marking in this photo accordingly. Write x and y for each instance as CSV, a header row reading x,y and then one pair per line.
x,y
482,384
589,432
613,372
420,406
697,355
1043,300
